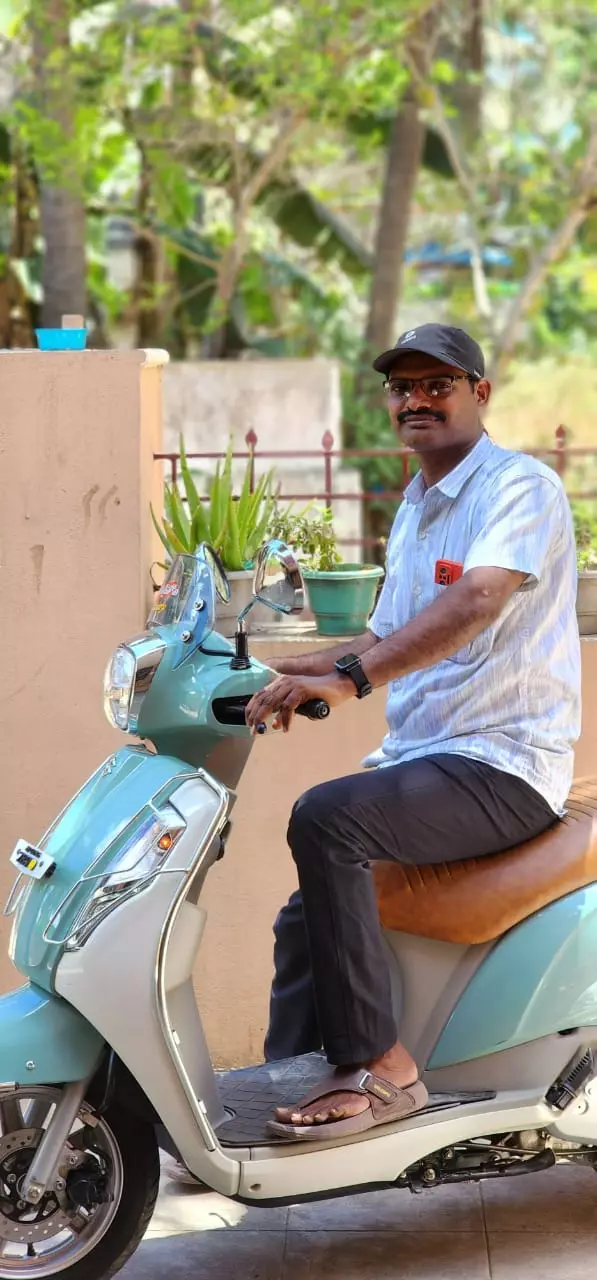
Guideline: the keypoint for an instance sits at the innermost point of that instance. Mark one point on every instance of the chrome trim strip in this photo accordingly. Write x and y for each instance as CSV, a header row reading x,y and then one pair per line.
x,y
148,651
13,898
196,1104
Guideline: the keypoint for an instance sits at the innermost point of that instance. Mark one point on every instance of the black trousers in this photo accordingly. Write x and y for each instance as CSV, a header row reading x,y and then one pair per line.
x,y
332,983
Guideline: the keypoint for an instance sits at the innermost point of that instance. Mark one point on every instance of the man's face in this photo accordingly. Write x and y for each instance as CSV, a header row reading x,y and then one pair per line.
x,y
425,422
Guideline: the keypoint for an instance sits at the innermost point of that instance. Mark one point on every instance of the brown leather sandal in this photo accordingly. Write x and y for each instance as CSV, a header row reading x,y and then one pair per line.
x,y
387,1102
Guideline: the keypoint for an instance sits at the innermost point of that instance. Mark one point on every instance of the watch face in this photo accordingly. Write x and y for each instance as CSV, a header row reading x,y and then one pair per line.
x,y
347,660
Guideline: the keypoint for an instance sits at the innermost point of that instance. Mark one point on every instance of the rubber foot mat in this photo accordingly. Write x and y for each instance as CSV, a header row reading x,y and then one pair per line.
x,y
251,1094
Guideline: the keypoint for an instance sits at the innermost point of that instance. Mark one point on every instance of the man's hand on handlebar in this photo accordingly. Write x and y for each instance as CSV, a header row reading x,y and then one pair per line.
x,y
281,698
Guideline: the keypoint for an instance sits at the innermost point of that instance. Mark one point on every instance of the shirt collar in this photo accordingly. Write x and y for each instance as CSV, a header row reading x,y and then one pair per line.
x,y
455,480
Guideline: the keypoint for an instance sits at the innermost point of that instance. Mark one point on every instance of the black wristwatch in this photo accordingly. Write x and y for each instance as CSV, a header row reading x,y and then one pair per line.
x,y
350,665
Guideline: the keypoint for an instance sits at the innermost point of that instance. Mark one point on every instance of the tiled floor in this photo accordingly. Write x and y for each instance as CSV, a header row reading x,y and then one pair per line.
x,y
541,1227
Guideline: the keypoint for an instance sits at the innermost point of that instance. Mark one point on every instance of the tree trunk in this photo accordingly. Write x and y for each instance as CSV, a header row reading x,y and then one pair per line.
x,y
402,167
61,197
467,92
148,254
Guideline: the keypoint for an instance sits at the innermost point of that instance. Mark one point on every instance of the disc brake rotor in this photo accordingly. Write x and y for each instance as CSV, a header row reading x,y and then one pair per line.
x,y
23,1223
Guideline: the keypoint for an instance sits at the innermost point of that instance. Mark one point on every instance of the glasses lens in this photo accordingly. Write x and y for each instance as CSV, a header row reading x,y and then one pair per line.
x,y
437,386
399,388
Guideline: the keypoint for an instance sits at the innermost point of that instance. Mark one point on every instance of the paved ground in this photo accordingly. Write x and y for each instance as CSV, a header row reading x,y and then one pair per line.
x,y
540,1227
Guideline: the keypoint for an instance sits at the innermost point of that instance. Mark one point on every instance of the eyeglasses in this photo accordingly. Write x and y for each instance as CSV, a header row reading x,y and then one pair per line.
x,y
435,388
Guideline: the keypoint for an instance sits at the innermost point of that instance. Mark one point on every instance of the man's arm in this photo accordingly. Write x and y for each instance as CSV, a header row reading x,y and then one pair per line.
x,y
458,616
520,526
528,513
321,663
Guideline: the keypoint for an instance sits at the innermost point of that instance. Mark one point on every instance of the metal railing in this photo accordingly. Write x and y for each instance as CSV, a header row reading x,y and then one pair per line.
x,y
561,456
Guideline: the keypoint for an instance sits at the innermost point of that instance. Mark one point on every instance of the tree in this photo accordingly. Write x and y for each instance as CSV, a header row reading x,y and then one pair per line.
x,y
530,179
61,189
247,98
403,159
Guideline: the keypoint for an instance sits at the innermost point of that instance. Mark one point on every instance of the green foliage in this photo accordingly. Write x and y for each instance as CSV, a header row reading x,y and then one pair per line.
x,y
366,415
235,526
584,515
311,536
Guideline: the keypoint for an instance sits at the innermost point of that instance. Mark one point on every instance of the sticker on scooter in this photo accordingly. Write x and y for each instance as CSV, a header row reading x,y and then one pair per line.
x,y
31,861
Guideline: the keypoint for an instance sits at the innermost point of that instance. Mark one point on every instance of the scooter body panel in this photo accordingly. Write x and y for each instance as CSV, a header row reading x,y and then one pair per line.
x,y
102,817
538,979
43,1040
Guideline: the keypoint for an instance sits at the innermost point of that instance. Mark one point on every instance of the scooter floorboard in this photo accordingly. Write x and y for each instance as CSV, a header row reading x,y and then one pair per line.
x,y
251,1094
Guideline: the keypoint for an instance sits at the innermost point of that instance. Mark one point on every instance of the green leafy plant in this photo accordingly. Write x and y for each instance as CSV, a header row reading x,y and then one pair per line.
x,y
311,536
585,533
235,526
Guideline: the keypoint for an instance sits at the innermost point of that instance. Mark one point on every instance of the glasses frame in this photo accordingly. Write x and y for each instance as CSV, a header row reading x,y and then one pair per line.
x,y
452,378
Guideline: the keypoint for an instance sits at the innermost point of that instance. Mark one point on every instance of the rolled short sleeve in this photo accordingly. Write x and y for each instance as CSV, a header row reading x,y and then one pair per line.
x,y
525,518
381,621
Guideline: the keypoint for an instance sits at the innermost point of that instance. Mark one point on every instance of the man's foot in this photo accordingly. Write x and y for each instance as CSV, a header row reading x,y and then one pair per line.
x,y
396,1066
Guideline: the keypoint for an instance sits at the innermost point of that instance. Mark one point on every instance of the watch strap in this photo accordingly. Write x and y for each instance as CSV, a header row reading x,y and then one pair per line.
x,y
351,666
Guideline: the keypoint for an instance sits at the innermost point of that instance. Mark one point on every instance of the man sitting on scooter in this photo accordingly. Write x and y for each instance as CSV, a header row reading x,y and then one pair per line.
x,y
475,635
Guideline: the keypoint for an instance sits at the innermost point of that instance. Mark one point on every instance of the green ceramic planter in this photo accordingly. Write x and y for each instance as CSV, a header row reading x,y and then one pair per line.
x,y
343,598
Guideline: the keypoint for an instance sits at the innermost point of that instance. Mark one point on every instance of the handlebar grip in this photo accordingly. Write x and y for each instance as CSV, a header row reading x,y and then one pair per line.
x,y
315,709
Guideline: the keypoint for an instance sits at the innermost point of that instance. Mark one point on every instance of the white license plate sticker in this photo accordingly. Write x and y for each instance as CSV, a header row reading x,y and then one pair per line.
x,y
31,861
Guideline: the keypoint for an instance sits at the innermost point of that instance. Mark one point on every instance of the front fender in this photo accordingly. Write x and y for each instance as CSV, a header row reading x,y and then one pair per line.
x,y
43,1040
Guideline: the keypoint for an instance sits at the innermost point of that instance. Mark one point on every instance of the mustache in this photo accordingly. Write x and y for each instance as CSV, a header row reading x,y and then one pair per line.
x,y
411,415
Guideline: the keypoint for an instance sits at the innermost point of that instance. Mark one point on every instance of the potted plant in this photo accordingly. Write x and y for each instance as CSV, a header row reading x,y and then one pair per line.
x,y
235,526
585,531
341,595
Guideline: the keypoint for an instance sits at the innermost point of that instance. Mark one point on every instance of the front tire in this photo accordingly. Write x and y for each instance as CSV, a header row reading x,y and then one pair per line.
x,y
74,1243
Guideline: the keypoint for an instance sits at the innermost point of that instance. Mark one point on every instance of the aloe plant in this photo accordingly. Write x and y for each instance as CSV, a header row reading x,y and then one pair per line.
x,y
234,526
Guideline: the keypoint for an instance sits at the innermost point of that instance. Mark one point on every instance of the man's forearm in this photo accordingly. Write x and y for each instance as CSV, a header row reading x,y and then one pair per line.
x,y
321,662
438,631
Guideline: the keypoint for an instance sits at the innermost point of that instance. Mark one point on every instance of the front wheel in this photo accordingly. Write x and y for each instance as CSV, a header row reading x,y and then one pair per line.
x,y
92,1220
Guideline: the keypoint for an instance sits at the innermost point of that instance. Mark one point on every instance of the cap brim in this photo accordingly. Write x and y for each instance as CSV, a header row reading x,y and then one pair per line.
x,y
386,361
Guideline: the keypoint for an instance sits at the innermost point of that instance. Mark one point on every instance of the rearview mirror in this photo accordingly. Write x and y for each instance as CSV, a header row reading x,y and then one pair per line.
x,y
218,572
278,581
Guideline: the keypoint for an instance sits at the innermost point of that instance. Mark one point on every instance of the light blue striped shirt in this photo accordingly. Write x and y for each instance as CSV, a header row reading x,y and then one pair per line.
x,y
512,696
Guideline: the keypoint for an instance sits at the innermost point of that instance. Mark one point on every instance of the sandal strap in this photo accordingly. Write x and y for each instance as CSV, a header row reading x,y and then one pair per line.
x,y
383,1090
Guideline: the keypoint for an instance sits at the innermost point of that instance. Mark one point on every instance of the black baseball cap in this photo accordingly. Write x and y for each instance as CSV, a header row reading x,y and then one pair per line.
x,y
450,345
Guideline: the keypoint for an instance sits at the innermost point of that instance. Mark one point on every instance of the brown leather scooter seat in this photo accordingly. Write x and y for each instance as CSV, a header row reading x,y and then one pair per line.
x,y
481,898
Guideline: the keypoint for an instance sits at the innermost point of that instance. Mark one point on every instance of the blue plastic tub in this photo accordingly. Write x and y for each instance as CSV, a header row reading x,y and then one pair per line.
x,y
61,339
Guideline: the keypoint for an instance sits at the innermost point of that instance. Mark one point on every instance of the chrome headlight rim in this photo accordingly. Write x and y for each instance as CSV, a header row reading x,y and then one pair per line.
x,y
146,652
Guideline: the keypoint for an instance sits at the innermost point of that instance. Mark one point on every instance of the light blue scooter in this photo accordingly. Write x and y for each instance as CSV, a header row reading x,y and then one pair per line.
x,y
103,1058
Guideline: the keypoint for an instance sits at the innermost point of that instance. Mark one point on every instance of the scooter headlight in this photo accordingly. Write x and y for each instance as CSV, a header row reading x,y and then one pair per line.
x,y
128,678
131,870
119,682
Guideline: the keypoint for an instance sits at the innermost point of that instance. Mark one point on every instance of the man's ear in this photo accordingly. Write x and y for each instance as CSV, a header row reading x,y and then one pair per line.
x,y
483,391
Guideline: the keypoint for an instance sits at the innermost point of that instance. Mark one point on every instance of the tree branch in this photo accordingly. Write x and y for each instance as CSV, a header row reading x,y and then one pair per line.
x,y
273,159
559,241
468,187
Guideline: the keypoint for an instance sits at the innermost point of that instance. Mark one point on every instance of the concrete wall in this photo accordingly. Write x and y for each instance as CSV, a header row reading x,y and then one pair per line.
x,y
77,432
289,403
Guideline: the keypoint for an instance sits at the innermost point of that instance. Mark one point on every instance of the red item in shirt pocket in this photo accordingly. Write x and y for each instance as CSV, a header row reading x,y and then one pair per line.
x,y
447,572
